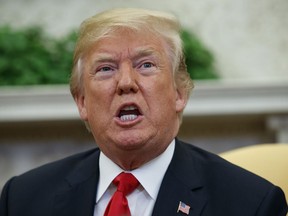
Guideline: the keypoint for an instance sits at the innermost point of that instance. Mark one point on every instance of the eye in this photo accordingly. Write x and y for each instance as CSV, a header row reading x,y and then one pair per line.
x,y
147,65
104,69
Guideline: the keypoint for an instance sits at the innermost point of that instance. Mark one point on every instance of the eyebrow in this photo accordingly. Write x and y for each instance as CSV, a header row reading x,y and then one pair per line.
x,y
138,53
104,57
144,52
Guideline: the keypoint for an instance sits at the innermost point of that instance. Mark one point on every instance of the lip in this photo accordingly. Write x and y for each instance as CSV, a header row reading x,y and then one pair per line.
x,y
128,123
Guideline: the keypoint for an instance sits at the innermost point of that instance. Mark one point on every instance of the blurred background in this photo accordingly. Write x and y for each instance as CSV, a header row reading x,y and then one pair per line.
x,y
236,52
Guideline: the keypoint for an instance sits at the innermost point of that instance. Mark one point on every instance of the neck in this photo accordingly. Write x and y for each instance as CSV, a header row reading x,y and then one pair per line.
x,y
132,159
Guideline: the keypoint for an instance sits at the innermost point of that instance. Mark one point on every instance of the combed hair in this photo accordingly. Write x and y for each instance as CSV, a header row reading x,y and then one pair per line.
x,y
105,23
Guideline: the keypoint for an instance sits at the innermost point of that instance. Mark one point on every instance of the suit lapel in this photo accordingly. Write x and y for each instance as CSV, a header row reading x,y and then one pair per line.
x,y
183,182
78,194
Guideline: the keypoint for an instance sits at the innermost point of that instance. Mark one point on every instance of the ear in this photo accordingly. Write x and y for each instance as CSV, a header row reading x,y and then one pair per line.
x,y
181,99
81,104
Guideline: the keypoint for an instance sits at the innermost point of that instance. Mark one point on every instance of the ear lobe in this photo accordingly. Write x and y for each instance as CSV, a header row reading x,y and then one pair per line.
x,y
80,101
181,100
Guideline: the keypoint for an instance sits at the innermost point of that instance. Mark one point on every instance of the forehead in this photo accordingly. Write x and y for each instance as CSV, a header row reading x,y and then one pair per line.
x,y
125,41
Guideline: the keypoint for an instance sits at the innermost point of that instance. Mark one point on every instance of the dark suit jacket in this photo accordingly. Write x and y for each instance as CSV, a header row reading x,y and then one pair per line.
x,y
208,184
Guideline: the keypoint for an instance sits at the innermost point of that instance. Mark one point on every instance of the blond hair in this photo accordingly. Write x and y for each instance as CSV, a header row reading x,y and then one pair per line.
x,y
101,25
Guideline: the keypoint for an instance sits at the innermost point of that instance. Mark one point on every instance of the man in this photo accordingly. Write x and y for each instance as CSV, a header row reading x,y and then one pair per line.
x,y
131,86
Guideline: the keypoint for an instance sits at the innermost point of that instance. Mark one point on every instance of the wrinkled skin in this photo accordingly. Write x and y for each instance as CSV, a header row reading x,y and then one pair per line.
x,y
130,69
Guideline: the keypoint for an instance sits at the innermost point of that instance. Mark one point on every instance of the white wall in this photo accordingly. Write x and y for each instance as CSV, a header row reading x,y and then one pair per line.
x,y
249,37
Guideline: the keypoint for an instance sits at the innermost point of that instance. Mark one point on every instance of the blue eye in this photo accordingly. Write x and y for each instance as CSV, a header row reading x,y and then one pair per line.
x,y
147,65
105,69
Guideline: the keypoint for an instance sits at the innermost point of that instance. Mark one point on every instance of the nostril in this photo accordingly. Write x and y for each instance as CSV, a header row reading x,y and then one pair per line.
x,y
128,88
127,81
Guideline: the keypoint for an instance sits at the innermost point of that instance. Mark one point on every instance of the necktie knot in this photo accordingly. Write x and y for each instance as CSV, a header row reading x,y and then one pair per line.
x,y
118,204
125,183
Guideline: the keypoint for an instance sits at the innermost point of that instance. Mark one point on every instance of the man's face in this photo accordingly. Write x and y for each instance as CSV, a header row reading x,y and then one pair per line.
x,y
129,99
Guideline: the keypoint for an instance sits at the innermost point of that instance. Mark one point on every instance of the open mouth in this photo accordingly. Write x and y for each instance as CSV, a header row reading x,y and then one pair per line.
x,y
129,113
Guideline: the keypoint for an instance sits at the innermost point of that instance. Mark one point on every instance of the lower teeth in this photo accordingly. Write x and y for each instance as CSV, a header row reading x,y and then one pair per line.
x,y
128,117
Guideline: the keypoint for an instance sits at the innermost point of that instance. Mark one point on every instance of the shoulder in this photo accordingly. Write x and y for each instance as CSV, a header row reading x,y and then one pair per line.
x,y
216,167
40,186
57,171
225,182
220,175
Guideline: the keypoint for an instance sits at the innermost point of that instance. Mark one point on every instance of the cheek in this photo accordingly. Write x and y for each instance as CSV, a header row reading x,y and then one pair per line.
x,y
98,90
98,114
161,98
98,99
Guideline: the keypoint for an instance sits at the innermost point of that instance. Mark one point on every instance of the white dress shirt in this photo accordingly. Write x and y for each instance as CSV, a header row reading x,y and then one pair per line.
x,y
142,199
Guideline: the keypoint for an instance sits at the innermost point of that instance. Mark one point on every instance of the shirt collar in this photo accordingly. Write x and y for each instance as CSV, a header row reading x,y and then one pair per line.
x,y
156,168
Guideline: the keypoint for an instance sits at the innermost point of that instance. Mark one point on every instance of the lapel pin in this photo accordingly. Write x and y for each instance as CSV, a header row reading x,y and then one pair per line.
x,y
183,208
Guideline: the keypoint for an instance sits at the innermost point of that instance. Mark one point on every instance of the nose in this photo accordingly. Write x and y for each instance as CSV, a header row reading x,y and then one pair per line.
x,y
127,81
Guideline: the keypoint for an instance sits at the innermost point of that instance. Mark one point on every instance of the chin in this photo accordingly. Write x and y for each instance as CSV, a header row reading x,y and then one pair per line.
x,y
131,142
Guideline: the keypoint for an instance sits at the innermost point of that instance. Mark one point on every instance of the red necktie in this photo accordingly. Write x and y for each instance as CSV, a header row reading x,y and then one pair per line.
x,y
118,204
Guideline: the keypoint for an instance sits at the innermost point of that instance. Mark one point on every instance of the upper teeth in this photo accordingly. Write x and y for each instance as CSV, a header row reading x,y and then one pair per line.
x,y
129,108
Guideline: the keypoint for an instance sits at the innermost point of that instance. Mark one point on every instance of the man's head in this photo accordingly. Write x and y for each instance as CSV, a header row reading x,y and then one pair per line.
x,y
130,82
